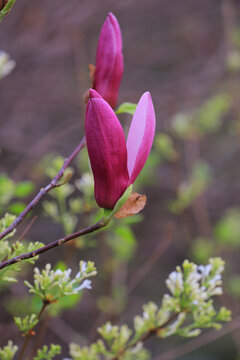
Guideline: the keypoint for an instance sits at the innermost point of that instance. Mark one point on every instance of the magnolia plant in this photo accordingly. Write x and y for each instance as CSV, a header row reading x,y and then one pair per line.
x,y
109,61
116,164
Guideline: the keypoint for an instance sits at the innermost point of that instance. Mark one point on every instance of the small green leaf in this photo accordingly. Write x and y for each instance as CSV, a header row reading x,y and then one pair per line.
x,y
16,207
48,353
127,107
23,189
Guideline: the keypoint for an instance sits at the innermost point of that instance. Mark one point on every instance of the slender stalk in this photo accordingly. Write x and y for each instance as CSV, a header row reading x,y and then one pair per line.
x,y
100,224
28,337
200,341
146,336
53,184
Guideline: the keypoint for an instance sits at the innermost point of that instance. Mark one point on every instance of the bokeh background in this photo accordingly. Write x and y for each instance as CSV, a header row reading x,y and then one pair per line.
x,y
187,54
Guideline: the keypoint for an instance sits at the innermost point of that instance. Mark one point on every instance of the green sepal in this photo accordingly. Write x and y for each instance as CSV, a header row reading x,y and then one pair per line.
x,y
109,213
6,9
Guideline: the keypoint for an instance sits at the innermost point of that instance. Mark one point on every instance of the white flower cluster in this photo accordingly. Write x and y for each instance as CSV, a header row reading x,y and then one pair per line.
x,y
50,285
185,312
6,65
201,282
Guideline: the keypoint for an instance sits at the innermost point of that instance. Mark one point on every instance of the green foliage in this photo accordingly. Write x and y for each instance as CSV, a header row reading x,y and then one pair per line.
x,y
27,323
8,351
10,190
48,354
51,164
233,61
227,230
205,120
163,150
87,202
51,285
7,189
23,189
202,249
234,285
185,312
8,251
164,147
65,207
235,37
123,242
190,189
5,222
127,107
116,337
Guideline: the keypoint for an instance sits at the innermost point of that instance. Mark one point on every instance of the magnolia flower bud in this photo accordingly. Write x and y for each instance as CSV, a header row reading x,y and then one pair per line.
x,y
109,61
114,163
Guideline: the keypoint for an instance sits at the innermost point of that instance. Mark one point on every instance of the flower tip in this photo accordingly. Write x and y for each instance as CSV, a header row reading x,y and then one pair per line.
x,y
146,96
94,94
138,147
112,17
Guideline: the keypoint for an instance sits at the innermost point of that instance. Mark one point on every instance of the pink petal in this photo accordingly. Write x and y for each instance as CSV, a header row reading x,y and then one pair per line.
x,y
140,136
107,152
109,61
94,94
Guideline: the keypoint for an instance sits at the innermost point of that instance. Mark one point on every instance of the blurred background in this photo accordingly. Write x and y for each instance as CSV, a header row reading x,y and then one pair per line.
x,y
187,54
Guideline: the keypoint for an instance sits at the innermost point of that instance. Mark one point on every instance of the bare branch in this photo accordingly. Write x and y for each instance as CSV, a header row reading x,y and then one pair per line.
x,y
53,184
100,224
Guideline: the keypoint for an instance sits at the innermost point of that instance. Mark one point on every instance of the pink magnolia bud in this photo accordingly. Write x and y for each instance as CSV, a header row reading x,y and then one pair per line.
x,y
109,61
107,151
115,166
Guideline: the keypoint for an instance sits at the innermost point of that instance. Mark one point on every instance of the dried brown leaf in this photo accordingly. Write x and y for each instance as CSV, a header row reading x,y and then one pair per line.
x,y
132,206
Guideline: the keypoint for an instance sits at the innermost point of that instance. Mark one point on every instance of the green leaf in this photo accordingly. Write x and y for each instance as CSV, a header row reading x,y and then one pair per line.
x,y
23,189
227,230
8,351
27,323
17,207
127,107
48,354
125,244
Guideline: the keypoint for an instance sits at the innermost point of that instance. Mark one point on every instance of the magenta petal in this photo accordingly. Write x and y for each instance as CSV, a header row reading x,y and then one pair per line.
x,y
140,136
107,152
109,61
94,94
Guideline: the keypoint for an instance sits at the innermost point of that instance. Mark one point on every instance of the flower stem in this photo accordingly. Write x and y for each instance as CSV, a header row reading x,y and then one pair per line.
x,y
53,184
29,335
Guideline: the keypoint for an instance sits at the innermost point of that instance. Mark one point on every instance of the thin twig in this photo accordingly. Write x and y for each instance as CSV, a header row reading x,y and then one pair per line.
x,y
153,259
27,228
100,224
200,341
53,184
29,335
146,336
